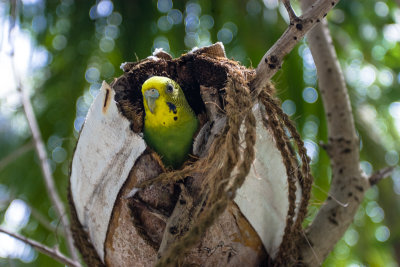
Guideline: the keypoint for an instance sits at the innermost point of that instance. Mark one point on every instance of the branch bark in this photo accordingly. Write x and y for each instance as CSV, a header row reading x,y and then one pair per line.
x,y
348,181
38,142
51,252
299,26
46,170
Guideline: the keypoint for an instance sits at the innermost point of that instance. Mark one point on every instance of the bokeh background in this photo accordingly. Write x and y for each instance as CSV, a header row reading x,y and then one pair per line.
x,y
63,49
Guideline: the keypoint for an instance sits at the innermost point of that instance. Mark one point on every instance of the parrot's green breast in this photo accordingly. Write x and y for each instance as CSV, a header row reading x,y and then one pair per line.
x,y
169,122
173,144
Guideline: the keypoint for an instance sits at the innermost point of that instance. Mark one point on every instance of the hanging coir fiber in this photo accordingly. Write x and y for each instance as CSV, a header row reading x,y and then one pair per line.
x,y
238,201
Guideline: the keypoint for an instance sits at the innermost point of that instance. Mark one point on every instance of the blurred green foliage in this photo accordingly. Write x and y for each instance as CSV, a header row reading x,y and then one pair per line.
x,y
64,49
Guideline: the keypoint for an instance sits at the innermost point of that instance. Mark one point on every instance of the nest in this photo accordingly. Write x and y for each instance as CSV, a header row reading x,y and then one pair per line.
x,y
189,216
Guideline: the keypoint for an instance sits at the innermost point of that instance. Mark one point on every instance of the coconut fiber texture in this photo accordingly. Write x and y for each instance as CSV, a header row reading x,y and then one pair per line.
x,y
175,218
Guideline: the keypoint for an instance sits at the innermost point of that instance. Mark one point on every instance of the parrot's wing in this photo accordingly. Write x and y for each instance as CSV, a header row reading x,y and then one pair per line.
x,y
106,151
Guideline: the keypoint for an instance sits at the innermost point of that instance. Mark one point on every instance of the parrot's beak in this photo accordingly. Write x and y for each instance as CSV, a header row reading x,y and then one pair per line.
x,y
151,96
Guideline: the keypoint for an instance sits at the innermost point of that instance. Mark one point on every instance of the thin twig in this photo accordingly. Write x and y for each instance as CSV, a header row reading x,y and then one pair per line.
x,y
4,162
41,151
51,252
292,16
380,174
272,60
43,220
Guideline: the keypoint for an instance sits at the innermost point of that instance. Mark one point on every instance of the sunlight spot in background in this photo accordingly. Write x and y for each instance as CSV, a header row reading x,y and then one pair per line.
x,y
366,167
164,5
309,69
337,15
342,251
396,180
381,9
289,107
31,2
106,44
394,111
270,16
385,77
15,249
225,35
175,15
165,23
368,32
207,22
197,27
59,42
378,52
310,95
161,42
59,154
271,4
253,7
374,92
367,76
351,237
114,19
53,142
28,60
391,32
372,193
104,8
310,129
375,212
392,157
192,22
16,217
92,75
193,8
312,150
382,233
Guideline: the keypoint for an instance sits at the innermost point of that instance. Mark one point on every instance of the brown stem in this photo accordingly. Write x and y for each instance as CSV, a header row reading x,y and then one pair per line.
x,y
377,176
51,252
272,60
39,146
348,182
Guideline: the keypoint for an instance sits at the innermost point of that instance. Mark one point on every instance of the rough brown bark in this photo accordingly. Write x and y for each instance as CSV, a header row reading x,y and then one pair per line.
x,y
348,182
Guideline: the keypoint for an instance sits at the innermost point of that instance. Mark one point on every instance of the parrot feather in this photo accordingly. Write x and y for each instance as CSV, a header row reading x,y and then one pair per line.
x,y
169,122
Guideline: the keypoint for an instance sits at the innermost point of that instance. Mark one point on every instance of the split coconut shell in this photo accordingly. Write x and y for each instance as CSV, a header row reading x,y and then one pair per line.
x,y
128,210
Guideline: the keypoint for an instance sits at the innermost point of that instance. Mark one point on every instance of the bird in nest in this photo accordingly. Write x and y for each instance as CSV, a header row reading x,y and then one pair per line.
x,y
169,122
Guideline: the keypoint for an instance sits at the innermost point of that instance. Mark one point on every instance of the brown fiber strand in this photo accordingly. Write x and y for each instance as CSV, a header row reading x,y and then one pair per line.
x,y
238,108
286,249
226,157
304,177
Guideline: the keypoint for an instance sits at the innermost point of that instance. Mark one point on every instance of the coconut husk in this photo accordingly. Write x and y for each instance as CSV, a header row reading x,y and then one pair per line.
x,y
192,216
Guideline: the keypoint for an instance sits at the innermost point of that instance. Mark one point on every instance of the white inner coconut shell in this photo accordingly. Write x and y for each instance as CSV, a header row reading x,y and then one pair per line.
x,y
263,197
106,152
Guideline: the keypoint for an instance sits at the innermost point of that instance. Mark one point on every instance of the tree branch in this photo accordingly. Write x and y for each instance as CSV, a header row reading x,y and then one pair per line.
x,y
348,182
51,252
46,170
299,26
43,220
39,146
377,176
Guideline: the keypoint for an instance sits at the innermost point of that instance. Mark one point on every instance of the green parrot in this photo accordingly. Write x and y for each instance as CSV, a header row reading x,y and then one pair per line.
x,y
169,122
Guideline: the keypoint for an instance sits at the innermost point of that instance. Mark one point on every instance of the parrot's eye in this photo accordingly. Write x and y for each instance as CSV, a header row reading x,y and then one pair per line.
x,y
170,88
